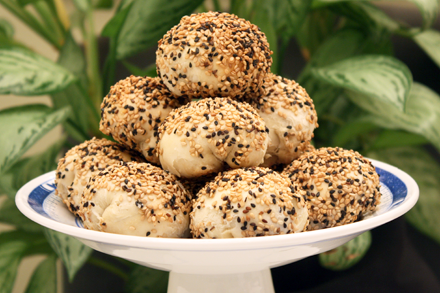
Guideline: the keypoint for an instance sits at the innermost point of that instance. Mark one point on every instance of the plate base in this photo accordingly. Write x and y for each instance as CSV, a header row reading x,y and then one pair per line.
x,y
251,282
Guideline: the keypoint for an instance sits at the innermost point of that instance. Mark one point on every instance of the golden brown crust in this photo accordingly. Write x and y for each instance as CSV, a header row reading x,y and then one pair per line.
x,y
213,54
248,202
290,116
340,186
83,161
133,110
160,202
212,131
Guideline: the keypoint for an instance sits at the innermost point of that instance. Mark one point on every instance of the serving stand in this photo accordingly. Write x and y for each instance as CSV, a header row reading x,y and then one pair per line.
x,y
217,265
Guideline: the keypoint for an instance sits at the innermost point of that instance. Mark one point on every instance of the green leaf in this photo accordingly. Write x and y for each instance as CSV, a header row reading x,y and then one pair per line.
x,y
146,280
425,170
429,10
8,42
13,247
148,71
279,20
22,126
377,77
36,243
290,15
341,112
11,254
83,5
147,21
23,72
71,251
288,20
354,43
422,115
77,19
322,95
9,214
6,29
28,168
240,8
397,138
351,130
74,97
114,25
26,2
44,279
103,4
316,28
73,131
23,236
112,30
72,57
368,16
429,41
124,4
41,247
264,17
346,255
330,51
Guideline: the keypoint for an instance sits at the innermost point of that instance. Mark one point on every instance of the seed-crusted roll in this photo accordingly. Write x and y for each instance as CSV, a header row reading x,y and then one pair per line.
x,y
290,116
199,138
133,110
340,185
136,199
83,161
248,202
213,54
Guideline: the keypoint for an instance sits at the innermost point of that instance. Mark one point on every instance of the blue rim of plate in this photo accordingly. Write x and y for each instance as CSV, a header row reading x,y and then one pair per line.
x,y
41,192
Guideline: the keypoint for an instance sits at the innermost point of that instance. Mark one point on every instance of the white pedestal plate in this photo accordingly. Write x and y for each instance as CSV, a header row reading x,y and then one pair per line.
x,y
217,265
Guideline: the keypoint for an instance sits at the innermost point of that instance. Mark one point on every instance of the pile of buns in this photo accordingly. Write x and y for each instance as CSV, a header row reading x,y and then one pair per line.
x,y
197,147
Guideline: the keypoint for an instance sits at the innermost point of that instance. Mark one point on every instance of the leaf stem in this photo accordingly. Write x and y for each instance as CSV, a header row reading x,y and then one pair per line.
x,y
50,20
31,21
108,266
93,72
62,13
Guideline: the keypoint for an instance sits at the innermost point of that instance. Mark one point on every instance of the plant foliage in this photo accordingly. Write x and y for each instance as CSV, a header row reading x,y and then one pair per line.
x,y
366,100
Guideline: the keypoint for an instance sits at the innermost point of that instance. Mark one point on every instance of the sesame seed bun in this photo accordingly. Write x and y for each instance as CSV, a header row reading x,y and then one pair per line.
x,y
248,202
290,116
133,110
199,138
136,199
213,54
83,161
340,186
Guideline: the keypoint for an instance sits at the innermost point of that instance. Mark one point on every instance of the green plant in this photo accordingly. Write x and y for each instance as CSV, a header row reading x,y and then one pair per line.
x,y
365,98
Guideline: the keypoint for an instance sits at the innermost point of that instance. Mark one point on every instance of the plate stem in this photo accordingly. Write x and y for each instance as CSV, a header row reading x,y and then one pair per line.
x,y
249,282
